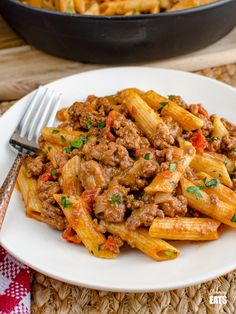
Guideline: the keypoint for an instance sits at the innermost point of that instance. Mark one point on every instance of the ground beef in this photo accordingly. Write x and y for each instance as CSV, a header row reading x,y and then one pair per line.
x,y
110,205
229,126
35,166
113,244
179,101
176,207
88,114
128,134
142,169
61,159
133,203
173,126
143,216
46,190
53,216
228,143
160,138
190,174
147,153
201,113
92,175
214,144
109,153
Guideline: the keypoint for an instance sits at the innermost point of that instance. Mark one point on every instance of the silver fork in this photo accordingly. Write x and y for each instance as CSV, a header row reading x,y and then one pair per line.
x,y
40,113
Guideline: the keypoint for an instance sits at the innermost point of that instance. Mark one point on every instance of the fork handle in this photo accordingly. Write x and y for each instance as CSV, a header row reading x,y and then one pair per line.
x,y
8,186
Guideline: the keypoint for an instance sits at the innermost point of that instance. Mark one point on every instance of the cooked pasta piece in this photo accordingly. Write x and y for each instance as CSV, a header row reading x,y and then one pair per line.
x,y
188,4
28,188
80,220
61,137
70,177
167,180
215,168
219,129
62,114
125,6
214,187
51,150
202,202
146,117
65,6
229,164
186,119
156,248
184,228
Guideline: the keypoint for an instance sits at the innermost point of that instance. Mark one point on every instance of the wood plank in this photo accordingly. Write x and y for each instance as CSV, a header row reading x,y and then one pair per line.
x,y
8,38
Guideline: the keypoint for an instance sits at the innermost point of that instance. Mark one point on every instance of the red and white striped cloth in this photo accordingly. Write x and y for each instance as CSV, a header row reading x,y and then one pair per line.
x,y
14,285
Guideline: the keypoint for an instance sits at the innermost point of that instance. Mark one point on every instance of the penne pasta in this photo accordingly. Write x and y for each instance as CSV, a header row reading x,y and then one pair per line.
x,y
187,120
125,6
184,228
213,167
61,137
80,220
147,118
65,6
167,180
219,129
28,189
224,193
155,248
202,202
51,150
70,177
229,164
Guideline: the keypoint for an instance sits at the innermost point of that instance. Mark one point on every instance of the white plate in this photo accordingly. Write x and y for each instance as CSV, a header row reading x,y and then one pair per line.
x,y
42,248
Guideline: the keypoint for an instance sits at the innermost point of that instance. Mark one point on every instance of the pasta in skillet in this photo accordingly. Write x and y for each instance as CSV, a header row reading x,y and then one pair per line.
x,y
136,168
116,7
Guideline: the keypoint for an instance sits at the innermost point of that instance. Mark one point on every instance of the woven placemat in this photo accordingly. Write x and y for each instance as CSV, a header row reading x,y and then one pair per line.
x,y
50,296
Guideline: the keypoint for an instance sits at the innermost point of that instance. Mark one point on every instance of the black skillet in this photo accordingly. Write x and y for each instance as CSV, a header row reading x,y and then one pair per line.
x,y
120,39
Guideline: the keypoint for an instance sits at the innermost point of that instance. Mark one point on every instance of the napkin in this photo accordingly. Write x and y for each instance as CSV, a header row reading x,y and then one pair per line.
x,y
14,285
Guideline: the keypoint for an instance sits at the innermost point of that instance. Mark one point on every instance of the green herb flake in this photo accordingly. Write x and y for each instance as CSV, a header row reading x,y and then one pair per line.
x,y
169,253
225,163
89,124
134,200
233,219
99,247
79,142
171,97
55,131
53,172
64,202
68,150
102,124
63,139
204,180
116,199
212,183
234,169
195,190
147,156
163,103
172,166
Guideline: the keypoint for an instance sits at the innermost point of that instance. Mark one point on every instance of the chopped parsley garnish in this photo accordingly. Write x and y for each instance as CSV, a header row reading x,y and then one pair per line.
x,y
232,176
134,200
147,156
196,191
204,180
233,219
225,162
163,103
116,199
99,247
68,150
53,172
212,183
89,124
79,142
64,202
172,166
55,131
169,253
63,138
234,169
102,124
171,97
